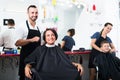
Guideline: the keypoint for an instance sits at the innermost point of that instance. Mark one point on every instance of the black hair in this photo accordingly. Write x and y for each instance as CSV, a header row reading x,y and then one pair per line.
x,y
72,32
108,24
103,42
31,6
51,29
11,22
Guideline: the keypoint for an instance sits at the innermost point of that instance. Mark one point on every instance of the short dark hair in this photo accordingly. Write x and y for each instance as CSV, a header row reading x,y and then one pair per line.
x,y
11,22
51,29
72,32
31,6
103,42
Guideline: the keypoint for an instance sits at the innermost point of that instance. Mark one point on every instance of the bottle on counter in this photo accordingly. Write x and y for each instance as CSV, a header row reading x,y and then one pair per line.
x,y
18,49
15,51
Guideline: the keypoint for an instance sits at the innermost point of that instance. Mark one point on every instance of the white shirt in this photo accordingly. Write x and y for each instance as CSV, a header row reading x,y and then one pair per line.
x,y
22,30
8,38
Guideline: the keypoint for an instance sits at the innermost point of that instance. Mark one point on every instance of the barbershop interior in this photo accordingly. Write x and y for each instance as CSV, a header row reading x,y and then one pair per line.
x,y
84,16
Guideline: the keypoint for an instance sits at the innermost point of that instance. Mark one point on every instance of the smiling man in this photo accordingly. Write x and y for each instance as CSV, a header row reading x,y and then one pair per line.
x,y
29,37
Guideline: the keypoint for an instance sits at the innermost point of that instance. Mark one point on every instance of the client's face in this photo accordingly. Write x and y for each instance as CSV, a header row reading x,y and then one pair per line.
x,y
105,47
50,37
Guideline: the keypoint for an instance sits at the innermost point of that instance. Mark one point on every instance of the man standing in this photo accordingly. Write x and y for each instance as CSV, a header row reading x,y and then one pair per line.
x,y
29,37
7,37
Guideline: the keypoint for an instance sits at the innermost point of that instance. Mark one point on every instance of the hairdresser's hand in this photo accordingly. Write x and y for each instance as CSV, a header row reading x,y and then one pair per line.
x,y
112,50
28,71
101,50
35,39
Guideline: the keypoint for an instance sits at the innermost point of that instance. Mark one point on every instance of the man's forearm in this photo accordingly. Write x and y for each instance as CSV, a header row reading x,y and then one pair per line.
x,y
22,42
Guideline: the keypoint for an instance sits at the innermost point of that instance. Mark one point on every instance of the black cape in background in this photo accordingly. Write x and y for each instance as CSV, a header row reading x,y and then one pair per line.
x,y
52,64
108,66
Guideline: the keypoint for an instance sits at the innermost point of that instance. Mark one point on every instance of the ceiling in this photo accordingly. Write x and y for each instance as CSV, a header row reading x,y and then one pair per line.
x,y
21,5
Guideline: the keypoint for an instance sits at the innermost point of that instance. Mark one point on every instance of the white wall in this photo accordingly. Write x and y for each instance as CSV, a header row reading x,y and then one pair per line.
x,y
90,22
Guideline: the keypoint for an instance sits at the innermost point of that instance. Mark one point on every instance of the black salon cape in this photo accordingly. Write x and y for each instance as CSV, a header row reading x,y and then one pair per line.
x,y
51,63
108,66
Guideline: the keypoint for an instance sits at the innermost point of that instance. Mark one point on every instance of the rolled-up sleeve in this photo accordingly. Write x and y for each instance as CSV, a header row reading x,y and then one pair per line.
x,y
95,35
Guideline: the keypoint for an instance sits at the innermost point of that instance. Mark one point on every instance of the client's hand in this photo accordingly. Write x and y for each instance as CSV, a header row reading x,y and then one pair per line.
x,y
28,71
79,67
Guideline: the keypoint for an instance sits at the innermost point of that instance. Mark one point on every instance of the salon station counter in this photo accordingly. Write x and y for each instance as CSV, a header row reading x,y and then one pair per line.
x,y
9,64
81,57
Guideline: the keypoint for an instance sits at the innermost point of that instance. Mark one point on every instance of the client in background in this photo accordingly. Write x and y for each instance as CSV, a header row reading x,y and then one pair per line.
x,y
68,41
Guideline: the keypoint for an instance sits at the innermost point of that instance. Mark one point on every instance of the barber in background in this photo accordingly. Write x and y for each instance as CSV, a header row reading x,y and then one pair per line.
x,y
96,39
28,37
68,41
7,37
